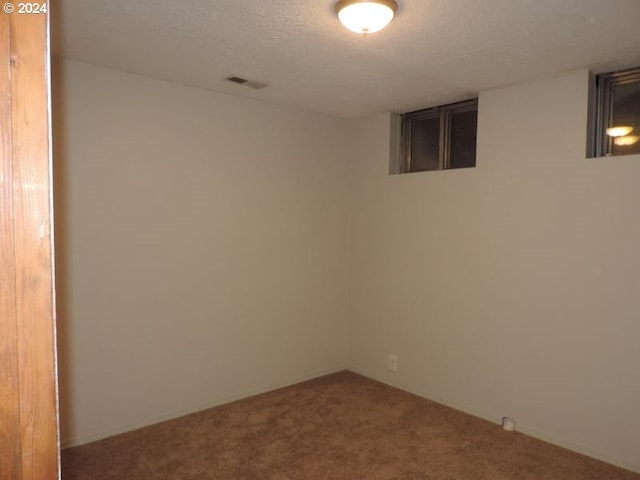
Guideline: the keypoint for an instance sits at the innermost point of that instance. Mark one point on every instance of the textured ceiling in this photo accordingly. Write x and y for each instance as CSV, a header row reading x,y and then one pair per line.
x,y
434,52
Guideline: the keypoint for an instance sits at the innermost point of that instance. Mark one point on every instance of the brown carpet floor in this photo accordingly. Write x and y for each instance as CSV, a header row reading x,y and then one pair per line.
x,y
339,427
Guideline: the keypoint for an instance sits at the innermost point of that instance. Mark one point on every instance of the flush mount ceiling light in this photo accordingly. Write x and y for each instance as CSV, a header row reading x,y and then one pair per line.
x,y
366,16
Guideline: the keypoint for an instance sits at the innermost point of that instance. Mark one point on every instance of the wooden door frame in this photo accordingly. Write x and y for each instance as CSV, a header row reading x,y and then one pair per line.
x,y
29,433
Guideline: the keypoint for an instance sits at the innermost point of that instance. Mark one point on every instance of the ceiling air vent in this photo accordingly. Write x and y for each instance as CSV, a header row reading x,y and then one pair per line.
x,y
239,80
247,83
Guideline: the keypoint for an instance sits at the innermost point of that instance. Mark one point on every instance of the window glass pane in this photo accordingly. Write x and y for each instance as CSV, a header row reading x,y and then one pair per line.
x,y
426,146
462,153
425,140
626,113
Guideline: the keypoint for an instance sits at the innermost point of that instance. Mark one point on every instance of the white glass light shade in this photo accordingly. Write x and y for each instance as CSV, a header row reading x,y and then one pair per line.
x,y
626,140
619,131
366,16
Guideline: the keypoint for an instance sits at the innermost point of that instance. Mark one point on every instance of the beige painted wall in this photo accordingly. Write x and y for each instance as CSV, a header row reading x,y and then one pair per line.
x,y
511,289
202,248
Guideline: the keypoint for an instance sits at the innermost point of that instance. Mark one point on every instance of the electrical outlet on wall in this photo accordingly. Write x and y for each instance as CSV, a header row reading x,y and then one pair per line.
x,y
392,362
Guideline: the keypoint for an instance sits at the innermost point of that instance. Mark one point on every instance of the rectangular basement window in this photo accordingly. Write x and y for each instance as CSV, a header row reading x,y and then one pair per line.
x,y
439,138
614,123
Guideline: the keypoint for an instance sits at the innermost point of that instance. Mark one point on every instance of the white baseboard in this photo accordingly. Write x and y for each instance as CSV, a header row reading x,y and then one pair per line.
x,y
531,432
76,442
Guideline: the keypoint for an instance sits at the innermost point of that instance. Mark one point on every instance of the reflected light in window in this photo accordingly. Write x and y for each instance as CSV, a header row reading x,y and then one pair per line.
x,y
619,131
626,140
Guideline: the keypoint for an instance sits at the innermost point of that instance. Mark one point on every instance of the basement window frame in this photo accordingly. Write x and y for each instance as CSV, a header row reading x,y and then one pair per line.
x,y
601,109
444,113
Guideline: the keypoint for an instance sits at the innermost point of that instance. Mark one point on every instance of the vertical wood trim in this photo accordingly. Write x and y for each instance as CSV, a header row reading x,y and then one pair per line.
x,y
29,170
10,463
